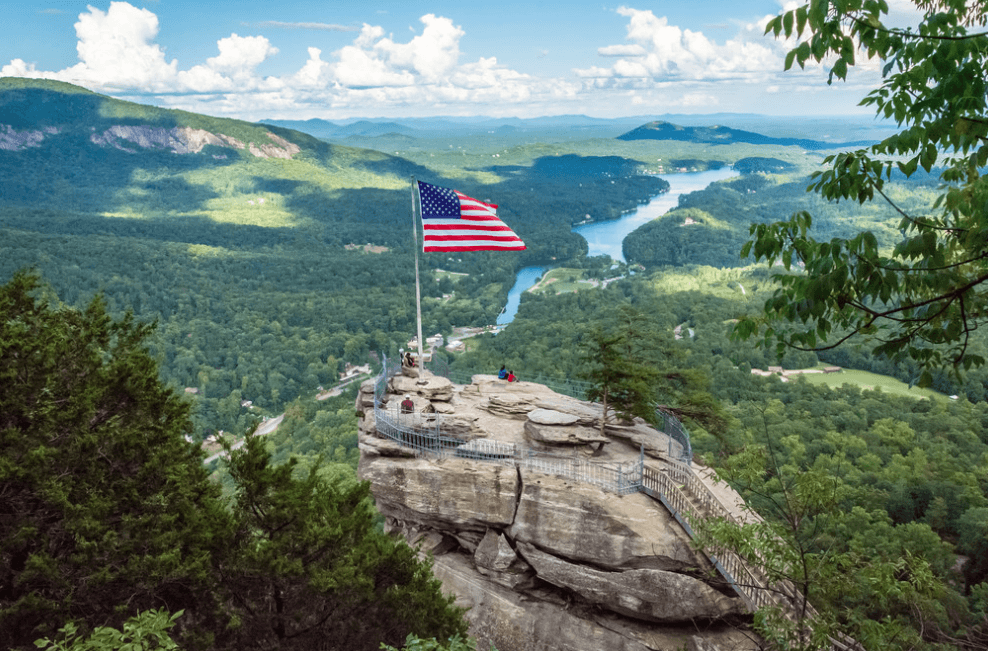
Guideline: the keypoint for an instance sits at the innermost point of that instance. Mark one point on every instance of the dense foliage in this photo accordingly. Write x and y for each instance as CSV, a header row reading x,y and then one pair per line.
x,y
923,298
108,511
104,501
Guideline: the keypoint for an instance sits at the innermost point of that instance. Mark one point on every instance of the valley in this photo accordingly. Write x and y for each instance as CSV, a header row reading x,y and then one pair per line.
x,y
271,259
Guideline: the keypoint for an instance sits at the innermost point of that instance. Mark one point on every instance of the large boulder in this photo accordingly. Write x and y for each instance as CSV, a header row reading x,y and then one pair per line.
x,y
365,397
448,494
373,446
431,387
510,406
562,434
497,560
651,595
517,621
541,416
581,522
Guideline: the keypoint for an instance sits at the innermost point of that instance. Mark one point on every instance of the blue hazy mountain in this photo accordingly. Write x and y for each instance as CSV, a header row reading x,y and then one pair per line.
x,y
721,135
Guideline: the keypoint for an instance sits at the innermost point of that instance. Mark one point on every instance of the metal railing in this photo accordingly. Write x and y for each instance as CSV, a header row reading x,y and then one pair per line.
x,y
424,434
671,426
690,500
683,493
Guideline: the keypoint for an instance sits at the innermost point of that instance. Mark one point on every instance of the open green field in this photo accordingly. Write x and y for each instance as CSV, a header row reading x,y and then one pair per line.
x,y
868,380
562,280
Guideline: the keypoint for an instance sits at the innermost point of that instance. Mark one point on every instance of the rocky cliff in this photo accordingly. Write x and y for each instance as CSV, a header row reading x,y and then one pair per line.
x,y
544,561
135,138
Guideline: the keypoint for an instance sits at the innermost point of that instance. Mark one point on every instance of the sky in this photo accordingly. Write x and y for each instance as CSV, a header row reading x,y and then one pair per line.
x,y
336,59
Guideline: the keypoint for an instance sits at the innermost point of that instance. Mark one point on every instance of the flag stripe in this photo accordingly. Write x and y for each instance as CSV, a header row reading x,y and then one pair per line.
x,y
466,227
475,246
472,237
452,221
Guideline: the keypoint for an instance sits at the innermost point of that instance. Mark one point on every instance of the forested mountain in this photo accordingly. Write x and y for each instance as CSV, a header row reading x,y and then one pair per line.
x,y
717,134
248,242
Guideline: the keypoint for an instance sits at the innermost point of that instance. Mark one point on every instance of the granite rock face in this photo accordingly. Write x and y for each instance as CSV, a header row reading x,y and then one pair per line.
x,y
544,562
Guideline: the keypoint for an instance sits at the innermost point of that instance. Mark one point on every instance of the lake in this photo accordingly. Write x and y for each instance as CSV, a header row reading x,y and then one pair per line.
x,y
605,238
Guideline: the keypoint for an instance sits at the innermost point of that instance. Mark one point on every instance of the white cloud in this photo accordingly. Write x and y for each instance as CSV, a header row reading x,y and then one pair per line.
x,y
659,66
432,54
116,49
239,55
659,51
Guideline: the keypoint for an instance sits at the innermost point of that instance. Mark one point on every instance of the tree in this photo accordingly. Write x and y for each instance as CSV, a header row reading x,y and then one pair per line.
x,y
833,572
107,513
105,509
312,571
924,298
619,378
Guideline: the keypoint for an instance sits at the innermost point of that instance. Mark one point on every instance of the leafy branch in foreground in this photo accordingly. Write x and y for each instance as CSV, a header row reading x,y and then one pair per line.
x,y
923,299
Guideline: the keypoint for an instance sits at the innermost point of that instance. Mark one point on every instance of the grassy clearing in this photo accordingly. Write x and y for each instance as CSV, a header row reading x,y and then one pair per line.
x,y
561,281
868,380
439,274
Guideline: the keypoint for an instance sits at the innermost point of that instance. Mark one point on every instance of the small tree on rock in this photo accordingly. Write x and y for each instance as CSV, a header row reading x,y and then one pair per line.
x,y
618,377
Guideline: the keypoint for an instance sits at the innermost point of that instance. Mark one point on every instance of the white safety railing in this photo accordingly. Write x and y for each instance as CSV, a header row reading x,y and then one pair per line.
x,y
424,433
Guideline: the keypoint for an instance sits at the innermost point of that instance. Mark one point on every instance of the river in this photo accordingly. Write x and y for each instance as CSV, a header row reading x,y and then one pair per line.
x,y
606,238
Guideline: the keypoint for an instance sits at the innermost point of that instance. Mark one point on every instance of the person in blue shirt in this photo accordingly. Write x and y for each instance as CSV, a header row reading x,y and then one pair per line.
x,y
502,374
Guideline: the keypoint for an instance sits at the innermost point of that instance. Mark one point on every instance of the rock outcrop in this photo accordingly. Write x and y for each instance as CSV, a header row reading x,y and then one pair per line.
x,y
544,562
136,138
185,140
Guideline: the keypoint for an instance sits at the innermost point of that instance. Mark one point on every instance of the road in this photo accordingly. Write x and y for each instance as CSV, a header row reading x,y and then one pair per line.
x,y
266,427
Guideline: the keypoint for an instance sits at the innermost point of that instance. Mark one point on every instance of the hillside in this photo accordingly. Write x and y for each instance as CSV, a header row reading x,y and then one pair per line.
x,y
721,135
237,238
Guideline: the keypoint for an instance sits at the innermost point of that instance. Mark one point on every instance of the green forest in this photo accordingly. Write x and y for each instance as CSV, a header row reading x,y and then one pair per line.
x,y
247,263
912,473
256,275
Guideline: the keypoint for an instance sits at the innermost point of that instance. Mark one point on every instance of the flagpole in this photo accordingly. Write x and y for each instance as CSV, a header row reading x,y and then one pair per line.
x,y
418,288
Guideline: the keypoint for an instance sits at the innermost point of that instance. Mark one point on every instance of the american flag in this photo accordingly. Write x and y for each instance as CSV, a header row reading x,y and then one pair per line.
x,y
452,221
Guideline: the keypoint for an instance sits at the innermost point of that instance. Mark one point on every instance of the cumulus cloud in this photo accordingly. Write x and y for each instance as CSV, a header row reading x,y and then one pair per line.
x,y
658,51
116,49
432,54
659,66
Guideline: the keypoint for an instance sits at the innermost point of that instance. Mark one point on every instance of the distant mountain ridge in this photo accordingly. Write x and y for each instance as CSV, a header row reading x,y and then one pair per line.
x,y
35,113
721,135
816,131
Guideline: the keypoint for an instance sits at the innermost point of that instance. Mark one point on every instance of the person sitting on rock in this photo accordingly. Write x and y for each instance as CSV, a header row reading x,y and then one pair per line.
x,y
409,360
502,374
511,377
407,406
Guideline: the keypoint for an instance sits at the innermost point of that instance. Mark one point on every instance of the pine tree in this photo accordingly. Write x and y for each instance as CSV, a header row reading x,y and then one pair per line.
x,y
105,509
619,380
314,572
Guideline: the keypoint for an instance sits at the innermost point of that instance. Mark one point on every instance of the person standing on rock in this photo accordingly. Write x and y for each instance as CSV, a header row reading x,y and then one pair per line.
x,y
407,406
